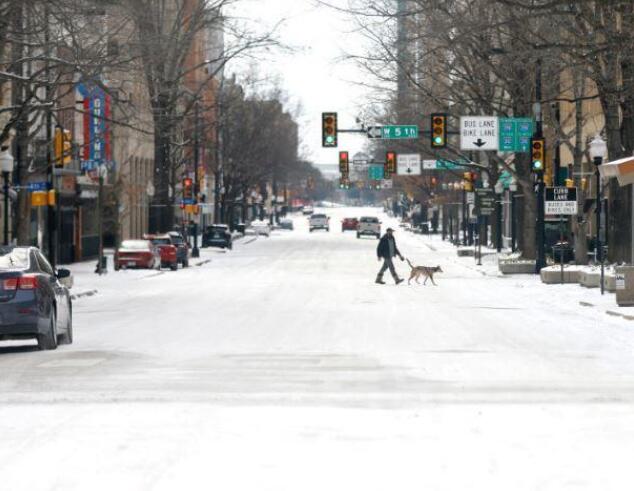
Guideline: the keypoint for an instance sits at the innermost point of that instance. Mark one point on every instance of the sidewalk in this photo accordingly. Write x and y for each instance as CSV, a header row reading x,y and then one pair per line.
x,y
531,285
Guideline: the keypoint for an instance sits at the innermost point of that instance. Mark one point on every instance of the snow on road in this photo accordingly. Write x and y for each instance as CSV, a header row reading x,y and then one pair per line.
x,y
281,366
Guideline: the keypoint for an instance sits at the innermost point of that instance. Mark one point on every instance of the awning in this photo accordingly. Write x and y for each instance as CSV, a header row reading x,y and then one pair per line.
x,y
622,169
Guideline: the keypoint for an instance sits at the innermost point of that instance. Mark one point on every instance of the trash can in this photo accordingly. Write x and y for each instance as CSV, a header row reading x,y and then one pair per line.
x,y
625,286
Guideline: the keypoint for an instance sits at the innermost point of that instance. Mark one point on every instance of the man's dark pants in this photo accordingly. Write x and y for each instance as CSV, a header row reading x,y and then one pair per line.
x,y
388,264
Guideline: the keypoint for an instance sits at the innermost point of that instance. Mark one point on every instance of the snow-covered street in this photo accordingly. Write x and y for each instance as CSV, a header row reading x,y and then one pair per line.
x,y
280,365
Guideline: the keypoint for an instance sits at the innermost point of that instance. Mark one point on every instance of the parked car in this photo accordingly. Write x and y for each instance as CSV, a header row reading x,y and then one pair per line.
x,y
319,221
349,224
369,226
136,254
168,255
286,224
308,210
33,301
217,236
261,227
182,248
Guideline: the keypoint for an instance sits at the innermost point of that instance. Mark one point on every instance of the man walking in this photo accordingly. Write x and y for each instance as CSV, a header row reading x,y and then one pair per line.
x,y
386,250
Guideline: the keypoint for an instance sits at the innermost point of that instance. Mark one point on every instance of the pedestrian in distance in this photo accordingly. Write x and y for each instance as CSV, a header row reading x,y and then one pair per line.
x,y
386,250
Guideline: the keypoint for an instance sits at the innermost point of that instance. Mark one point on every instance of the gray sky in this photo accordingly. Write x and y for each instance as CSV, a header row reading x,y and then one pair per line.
x,y
313,74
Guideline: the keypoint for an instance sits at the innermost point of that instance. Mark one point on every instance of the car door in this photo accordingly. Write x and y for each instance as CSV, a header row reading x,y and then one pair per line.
x,y
59,290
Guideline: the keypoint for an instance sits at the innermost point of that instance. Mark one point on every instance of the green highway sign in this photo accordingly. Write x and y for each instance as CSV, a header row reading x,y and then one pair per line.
x,y
516,134
396,132
375,172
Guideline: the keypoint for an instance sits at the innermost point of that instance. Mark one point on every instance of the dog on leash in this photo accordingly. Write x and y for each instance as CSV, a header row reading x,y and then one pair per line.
x,y
426,271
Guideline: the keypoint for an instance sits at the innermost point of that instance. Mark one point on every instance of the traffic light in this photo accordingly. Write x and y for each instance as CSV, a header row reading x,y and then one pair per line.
x,y
538,155
63,147
434,182
344,183
438,130
390,165
329,130
188,189
344,164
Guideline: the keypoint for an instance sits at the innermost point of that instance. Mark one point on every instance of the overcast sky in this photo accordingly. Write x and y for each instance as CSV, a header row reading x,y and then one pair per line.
x,y
313,74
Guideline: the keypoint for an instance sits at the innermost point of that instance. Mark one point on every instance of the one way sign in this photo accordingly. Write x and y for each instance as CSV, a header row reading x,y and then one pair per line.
x,y
479,133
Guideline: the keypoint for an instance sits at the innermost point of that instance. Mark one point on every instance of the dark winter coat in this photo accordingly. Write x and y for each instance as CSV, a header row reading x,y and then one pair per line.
x,y
383,249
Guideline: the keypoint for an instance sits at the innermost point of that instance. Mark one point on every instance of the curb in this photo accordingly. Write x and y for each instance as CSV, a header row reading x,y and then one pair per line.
x,y
88,293
618,314
206,261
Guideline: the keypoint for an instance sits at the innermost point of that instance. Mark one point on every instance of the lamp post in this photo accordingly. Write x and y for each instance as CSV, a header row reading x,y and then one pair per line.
x,y
598,151
513,190
499,189
6,165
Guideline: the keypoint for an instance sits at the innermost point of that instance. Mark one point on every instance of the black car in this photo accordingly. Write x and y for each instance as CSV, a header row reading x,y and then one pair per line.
x,y
217,236
33,301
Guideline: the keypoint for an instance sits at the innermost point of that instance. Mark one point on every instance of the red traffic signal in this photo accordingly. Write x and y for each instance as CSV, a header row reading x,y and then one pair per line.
x,y
188,188
390,165
344,163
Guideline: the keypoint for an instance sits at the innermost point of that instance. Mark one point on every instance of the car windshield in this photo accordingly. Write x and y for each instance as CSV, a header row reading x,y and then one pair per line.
x,y
177,240
216,229
319,216
135,245
161,241
370,220
14,258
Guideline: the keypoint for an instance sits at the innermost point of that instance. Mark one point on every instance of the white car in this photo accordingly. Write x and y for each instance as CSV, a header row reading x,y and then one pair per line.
x,y
307,210
369,226
319,221
261,227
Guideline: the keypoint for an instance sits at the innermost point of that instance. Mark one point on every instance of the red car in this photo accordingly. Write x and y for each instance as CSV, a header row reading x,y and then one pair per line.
x,y
349,224
135,254
167,251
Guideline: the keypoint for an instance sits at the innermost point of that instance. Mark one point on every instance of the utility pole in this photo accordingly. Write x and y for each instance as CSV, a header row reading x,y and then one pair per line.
x,y
195,250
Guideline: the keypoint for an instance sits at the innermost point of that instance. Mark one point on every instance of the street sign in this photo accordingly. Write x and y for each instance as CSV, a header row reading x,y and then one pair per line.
x,y
561,200
479,133
375,172
37,186
408,164
484,201
515,134
470,198
444,164
396,132
360,158
386,184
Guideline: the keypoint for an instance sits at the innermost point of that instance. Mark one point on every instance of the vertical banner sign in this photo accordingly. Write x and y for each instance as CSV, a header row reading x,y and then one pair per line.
x,y
96,147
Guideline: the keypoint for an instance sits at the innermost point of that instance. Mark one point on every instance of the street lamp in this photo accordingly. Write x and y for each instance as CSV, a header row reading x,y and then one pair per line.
x,y
6,166
499,189
513,190
598,151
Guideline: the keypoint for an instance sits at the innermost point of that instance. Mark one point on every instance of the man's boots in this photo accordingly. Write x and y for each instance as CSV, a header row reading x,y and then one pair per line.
x,y
379,280
399,280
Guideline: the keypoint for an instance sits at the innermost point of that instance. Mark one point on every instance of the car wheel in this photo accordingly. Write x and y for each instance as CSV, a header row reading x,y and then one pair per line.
x,y
48,340
67,337
174,266
185,264
358,235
